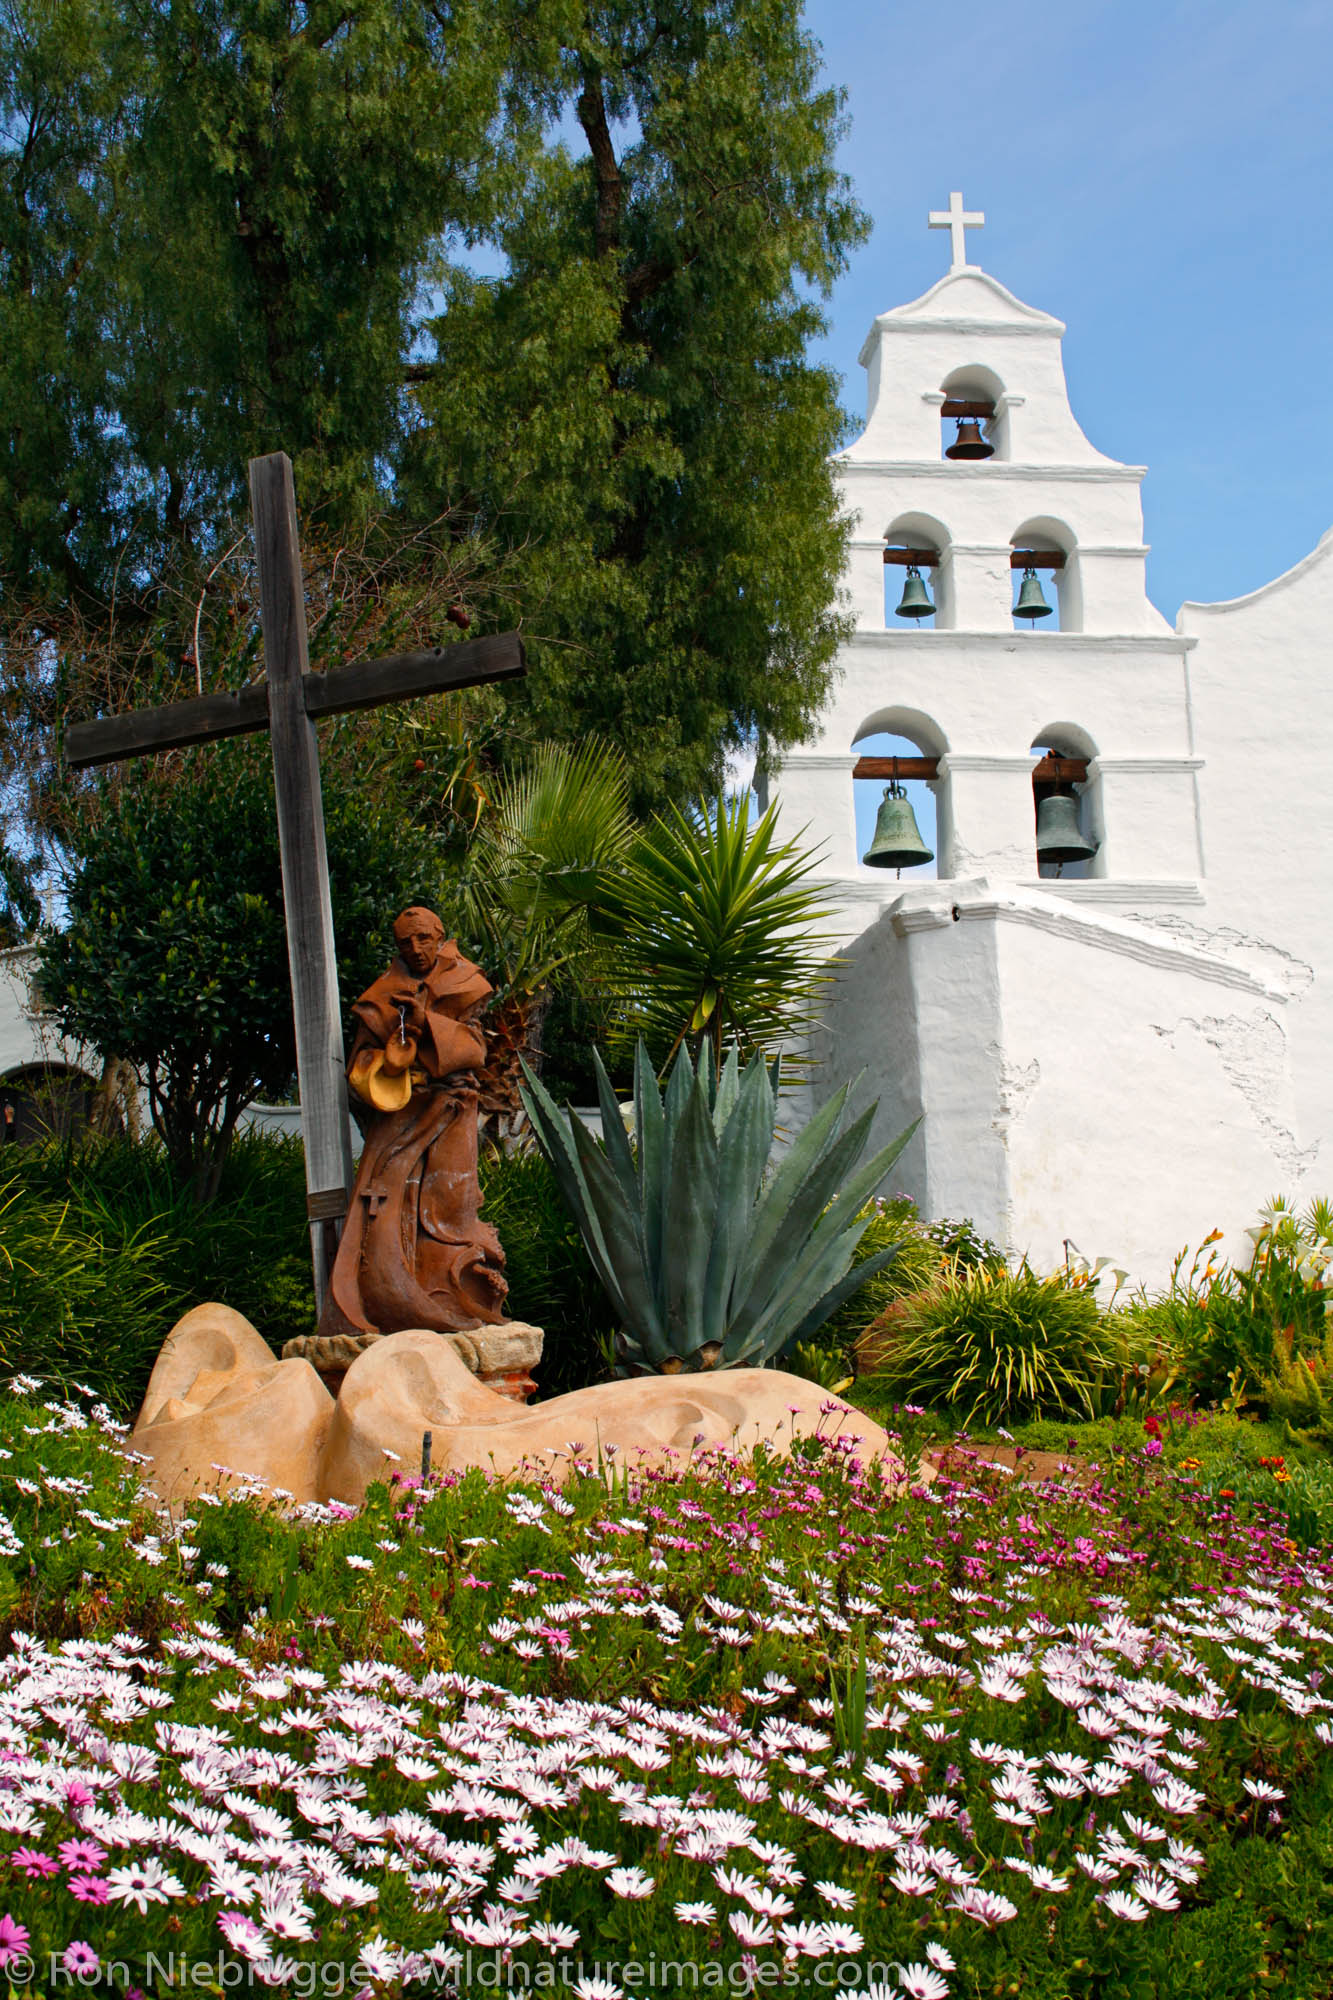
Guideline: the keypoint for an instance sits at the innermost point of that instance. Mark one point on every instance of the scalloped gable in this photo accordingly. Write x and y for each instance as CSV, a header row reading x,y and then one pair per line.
x,y
970,297
1300,572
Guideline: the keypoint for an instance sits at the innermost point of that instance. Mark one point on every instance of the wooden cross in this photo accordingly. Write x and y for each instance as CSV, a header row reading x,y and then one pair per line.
x,y
287,703
957,221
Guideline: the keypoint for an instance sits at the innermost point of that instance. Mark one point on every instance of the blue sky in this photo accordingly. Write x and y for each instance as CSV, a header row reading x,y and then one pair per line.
x,y
1157,176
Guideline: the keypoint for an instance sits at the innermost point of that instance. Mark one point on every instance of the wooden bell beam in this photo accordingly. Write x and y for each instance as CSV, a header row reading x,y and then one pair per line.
x,y
902,767
1053,770
913,558
951,407
1048,770
1018,558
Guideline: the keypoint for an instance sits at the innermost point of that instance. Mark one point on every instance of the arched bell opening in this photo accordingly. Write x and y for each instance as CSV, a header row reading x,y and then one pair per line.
x,y
917,594
1069,832
1044,567
974,422
897,793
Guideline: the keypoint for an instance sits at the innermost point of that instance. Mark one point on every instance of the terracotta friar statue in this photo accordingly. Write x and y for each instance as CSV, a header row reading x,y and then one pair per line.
x,y
414,1251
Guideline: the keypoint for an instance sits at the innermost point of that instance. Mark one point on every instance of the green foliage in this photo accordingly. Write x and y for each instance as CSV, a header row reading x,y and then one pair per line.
x,y
819,1364
1299,1393
215,217
718,933
1229,1329
707,1258
992,1344
80,1301
629,404
175,952
102,1250
227,226
552,1283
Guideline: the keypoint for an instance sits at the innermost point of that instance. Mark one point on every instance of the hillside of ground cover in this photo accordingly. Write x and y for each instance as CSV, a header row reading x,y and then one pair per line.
x,y
786,1718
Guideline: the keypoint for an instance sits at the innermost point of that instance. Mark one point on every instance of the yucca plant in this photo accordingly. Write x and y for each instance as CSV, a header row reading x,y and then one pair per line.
x,y
996,1345
722,935
709,1260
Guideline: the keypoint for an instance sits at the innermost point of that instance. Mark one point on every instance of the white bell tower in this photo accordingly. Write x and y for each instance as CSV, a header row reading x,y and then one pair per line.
x,y
1102,681
1075,1035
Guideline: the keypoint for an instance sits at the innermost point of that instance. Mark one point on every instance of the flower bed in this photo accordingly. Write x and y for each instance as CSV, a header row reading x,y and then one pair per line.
x,y
764,1723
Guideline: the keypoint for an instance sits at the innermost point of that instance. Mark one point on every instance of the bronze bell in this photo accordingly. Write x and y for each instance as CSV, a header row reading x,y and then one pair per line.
x,y
1031,598
915,600
1059,835
969,442
897,842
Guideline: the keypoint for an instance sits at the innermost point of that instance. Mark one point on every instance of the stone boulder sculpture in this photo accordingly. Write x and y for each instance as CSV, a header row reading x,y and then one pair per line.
x,y
218,1399
222,1411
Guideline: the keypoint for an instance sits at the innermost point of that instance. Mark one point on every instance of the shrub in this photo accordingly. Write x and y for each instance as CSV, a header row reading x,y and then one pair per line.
x,y
103,1251
1299,1392
80,1302
1227,1328
996,1345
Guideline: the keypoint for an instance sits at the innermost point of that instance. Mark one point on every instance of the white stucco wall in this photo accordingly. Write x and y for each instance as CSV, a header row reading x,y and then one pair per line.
x,y
25,1036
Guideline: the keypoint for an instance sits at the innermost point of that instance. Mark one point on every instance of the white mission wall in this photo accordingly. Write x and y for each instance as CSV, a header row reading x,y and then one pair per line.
x,y
1134,1053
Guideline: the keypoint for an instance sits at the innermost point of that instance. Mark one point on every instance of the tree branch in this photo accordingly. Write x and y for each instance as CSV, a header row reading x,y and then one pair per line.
x,y
591,109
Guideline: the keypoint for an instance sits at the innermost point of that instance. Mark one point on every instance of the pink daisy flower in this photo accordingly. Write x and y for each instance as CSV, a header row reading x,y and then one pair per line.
x,y
13,1939
81,1854
32,1862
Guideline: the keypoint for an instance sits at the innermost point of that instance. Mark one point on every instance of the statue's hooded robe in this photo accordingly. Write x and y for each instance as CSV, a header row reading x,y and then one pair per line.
x,y
414,1251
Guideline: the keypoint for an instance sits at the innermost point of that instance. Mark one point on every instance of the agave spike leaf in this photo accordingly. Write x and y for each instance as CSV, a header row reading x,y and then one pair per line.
x,y
728,1089
632,1289
675,1223
804,1204
650,1147
552,1130
824,1308
858,1190
614,1135
826,1219
809,1145
742,1156
679,1085
694,1202
816,1261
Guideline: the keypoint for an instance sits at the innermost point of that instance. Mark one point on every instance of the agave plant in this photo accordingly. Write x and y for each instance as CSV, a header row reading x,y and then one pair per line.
x,y
709,1260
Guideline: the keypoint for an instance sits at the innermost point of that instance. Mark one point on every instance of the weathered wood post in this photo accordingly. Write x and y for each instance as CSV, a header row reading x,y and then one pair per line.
x,y
305,870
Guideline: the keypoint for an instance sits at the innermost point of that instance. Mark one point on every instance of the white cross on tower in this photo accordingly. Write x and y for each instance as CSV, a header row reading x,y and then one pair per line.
x,y
956,219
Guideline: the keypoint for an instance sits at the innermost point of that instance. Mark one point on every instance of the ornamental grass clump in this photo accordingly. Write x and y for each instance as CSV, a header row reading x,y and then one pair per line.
x,y
993,1345
709,1258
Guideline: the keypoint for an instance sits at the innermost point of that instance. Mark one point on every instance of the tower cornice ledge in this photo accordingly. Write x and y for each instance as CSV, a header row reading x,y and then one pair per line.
x,y
994,468
1173,644
936,905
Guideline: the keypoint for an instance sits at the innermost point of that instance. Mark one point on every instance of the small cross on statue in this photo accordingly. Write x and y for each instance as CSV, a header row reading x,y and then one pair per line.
x,y
957,220
287,703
